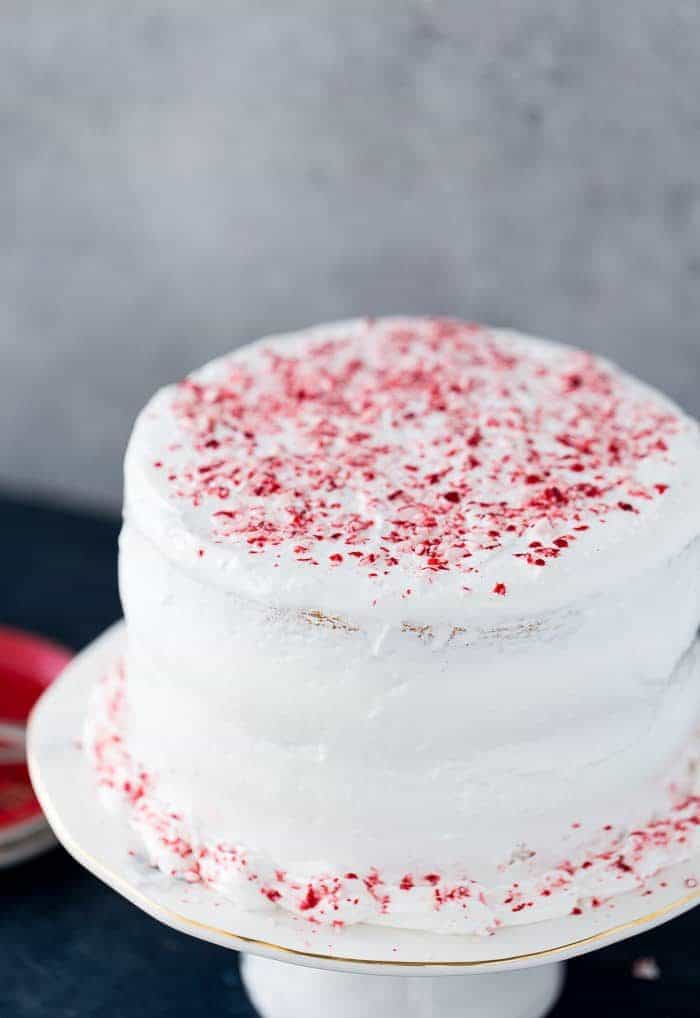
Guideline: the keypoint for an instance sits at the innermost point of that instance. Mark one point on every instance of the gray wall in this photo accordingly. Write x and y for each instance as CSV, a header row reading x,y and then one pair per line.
x,y
174,182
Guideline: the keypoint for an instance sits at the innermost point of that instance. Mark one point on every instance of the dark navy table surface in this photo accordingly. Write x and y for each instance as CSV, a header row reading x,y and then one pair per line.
x,y
70,947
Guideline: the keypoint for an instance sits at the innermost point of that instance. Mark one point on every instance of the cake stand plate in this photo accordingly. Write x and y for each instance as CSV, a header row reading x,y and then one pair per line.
x,y
516,973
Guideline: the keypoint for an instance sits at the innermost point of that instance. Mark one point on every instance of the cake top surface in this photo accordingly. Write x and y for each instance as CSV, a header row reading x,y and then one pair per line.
x,y
415,468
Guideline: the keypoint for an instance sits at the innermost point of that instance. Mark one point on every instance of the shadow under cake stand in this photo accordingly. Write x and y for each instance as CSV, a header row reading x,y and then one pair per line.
x,y
517,972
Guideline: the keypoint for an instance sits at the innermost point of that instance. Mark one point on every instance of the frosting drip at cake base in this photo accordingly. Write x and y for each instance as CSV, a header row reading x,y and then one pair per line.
x,y
615,861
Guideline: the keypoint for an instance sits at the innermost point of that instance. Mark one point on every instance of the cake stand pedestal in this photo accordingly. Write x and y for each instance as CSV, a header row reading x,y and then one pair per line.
x,y
292,968
283,991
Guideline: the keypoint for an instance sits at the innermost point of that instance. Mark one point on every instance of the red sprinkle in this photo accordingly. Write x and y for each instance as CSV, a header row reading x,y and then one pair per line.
x,y
310,900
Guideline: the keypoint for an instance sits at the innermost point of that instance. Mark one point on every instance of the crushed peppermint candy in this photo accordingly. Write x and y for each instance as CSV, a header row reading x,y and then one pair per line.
x,y
647,969
431,445
622,861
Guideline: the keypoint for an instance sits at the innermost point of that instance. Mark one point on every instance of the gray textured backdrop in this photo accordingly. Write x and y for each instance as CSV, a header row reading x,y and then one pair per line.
x,y
173,182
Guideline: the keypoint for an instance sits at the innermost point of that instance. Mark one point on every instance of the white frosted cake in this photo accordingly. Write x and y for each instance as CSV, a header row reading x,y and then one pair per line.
x,y
411,609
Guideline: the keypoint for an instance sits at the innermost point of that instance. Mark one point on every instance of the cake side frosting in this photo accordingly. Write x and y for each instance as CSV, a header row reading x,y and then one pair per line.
x,y
418,469
436,899
407,750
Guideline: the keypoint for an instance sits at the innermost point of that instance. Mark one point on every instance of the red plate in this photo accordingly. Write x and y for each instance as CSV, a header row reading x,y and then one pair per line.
x,y
28,664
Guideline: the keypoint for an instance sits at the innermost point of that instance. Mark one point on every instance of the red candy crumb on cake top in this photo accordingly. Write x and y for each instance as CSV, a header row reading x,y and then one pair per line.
x,y
428,440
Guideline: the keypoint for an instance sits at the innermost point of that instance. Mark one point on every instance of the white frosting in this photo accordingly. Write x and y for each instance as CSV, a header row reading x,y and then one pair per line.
x,y
330,724
614,859
617,544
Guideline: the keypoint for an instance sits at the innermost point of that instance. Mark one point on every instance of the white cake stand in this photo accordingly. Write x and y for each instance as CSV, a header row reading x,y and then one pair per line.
x,y
516,973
